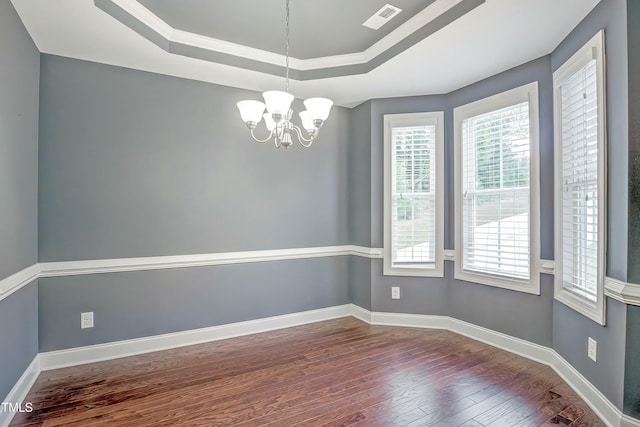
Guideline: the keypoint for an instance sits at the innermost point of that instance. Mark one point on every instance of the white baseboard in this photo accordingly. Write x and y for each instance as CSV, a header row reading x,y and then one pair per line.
x,y
410,320
608,412
628,421
20,390
590,394
360,313
96,353
506,342
527,349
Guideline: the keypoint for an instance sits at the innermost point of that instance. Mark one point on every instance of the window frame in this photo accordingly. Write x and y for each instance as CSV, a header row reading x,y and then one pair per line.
x,y
434,118
593,49
526,93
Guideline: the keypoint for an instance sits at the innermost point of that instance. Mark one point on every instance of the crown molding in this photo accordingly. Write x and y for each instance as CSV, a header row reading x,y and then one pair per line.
x,y
432,18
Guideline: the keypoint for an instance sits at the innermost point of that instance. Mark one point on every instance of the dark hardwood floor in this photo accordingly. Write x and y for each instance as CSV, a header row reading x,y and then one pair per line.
x,y
339,372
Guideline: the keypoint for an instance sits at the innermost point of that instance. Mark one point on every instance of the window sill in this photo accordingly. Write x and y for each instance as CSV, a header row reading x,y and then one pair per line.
x,y
581,305
529,286
435,270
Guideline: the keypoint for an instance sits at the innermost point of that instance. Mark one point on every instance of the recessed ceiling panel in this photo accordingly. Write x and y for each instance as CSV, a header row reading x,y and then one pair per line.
x,y
439,54
317,29
437,15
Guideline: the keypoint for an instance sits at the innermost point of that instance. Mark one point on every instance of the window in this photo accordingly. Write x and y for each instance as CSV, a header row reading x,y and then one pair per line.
x,y
497,221
580,180
413,194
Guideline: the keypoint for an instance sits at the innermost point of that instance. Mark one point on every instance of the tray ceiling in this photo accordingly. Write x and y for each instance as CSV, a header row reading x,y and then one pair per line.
x,y
326,28
431,47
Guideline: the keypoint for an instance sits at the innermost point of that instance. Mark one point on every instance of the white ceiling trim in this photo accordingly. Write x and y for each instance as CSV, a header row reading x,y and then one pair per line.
x,y
144,15
152,21
495,37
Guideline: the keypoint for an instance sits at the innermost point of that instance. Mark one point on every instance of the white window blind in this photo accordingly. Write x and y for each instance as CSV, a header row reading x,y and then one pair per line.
x,y
580,180
579,169
495,192
413,195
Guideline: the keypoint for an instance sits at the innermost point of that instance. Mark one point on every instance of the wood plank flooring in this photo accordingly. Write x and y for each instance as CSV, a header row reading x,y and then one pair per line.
x,y
336,373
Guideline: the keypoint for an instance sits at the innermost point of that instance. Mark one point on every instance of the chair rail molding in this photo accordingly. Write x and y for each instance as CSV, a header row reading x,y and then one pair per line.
x,y
18,280
23,277
628,293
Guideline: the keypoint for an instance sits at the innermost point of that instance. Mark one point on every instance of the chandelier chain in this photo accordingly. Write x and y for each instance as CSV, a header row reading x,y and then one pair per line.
x,y
278,114
286,44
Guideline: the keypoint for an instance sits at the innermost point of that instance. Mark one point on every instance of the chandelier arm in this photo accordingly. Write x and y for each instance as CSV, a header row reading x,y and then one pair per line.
x,y
261,140
302,139
280,129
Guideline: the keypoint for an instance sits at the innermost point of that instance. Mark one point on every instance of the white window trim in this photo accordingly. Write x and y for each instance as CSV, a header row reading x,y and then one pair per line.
x,y
414,119
594,47
511,97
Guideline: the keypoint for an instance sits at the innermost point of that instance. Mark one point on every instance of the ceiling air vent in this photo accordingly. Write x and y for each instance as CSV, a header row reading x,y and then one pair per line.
x,y
381,17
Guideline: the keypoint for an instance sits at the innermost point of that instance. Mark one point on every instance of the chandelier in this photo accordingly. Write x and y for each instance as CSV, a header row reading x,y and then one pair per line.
x,y
278,116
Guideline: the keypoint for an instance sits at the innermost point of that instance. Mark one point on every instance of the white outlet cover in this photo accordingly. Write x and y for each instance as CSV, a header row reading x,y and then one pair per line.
x,y
592,349
395,292
86,320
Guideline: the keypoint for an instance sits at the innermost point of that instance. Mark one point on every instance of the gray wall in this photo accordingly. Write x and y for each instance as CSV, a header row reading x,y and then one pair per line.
x,y
633,35
418,295
537,319
360,202
570,329
138,164
360,175
632,365
521,315
19,71
18,335
610,15
139,304
360,282
518,314
380,107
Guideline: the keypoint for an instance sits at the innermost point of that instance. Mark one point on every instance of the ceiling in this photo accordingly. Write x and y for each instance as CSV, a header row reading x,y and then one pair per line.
x,y
263,27
430,47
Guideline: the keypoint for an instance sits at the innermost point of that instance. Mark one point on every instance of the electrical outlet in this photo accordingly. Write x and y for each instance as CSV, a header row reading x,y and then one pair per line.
x,y
86,320
592,349
395,292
